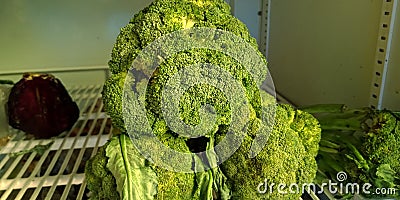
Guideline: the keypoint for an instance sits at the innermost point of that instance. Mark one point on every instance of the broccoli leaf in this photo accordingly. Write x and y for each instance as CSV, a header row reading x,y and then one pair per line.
x,y
386,176
135,178
204,181
220,182
212,184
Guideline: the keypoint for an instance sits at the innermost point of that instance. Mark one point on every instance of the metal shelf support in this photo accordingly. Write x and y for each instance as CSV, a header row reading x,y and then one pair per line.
x,y
386,27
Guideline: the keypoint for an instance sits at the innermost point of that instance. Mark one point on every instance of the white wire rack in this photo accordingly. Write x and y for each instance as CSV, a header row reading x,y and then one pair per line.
x,y
59,172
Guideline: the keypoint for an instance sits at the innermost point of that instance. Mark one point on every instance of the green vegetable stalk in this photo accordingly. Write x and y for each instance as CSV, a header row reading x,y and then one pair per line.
x,y
39,149
364,143
8,82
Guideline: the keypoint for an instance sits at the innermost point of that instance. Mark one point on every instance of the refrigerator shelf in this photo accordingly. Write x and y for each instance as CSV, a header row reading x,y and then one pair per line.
x,y
58,172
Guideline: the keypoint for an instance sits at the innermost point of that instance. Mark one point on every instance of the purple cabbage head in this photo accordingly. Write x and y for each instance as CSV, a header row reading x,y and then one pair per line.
x,y
40,105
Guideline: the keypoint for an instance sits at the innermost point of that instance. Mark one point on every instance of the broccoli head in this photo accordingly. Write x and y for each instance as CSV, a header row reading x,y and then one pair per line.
x,y
288,158
163,17
382,142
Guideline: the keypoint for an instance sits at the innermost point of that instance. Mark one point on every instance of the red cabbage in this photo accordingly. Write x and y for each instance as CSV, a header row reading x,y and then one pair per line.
x,y
40,105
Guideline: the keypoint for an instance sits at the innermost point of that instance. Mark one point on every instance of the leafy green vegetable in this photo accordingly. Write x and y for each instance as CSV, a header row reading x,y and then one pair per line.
x,y
135,179
212,184
364,143
386,176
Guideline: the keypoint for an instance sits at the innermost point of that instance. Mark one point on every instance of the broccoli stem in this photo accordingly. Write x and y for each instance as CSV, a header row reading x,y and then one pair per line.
x,y
338,116
359,159
8,82
124,151
354,139
348,121
396,115
325,108
329,163
329,144
328,150
350,124
339,125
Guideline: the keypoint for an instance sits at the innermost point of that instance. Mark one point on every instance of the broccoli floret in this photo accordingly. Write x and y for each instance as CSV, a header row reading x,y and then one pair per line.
x,y
166,16
382,142
309,131
99,178
364,143
200,94
287,158
175,185
112,98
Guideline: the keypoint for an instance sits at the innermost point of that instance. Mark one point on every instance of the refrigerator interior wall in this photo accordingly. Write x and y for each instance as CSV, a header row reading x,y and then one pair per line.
x,y
48,36
318,51
326,51
59,35
247,12
323,51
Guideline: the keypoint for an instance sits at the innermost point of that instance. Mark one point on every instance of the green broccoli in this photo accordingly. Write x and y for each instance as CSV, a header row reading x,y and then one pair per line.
x,y
99,178
163,17
288,157
364,143
118,166
112,98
